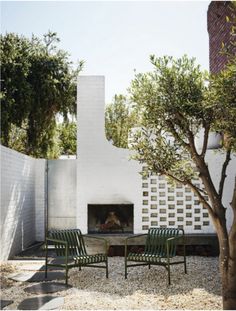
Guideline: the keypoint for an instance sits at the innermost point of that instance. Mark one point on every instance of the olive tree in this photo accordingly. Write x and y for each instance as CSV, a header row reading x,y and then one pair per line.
x,y
177,101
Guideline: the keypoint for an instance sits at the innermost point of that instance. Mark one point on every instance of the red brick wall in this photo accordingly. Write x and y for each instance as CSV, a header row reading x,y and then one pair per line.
x,y
219,31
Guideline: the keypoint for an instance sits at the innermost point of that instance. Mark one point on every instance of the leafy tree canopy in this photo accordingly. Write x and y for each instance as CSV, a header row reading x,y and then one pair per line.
x,y
67,138
173,106
120,118
38,83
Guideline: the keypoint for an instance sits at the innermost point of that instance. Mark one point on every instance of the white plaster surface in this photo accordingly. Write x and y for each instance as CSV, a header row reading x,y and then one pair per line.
x,y
61,194
105,174
215,161
22,204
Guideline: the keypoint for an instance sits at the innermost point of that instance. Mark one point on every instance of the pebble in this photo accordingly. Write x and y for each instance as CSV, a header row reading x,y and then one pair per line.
x,y
144,289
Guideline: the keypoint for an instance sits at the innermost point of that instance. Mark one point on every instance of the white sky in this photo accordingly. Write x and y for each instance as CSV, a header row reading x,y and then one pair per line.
x,y
115,37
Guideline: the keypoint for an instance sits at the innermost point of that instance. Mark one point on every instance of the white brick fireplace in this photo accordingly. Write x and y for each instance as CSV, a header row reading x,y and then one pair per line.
x,y
105,174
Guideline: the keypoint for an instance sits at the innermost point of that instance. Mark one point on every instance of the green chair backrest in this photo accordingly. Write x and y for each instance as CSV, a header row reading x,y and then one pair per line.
x,y
74,238
156,241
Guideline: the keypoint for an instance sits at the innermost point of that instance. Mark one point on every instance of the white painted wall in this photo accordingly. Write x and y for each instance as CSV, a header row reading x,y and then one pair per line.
x,y
22,201
61,194
104,173
215,161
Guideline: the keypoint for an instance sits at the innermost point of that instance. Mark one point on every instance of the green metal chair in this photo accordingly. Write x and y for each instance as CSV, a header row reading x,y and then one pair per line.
x,y
160,249
71,251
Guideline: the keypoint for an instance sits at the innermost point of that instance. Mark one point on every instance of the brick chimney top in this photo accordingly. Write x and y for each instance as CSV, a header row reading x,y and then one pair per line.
x,y
219,32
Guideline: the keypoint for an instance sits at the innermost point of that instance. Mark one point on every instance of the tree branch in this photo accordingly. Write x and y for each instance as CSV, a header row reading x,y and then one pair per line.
x,y
176,135
193,150
223,173
232,232
202,200
195,190
205,141
174,178
191,146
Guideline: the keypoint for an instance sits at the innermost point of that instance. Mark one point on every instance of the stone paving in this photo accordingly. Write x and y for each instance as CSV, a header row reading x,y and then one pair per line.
x,y
4,303
33,271
46,288
41,302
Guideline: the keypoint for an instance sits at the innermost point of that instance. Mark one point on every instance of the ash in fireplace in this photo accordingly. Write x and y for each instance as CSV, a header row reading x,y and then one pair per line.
x,y
112,223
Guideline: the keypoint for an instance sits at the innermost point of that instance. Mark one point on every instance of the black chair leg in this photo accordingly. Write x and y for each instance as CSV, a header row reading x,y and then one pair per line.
x,y
66,276
107,269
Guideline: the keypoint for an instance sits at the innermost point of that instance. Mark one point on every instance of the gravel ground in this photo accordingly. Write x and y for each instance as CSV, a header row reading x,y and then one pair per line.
x,y
143,290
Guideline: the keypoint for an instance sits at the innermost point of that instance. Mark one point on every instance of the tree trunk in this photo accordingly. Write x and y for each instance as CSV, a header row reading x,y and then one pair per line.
x,y
229,274
229,285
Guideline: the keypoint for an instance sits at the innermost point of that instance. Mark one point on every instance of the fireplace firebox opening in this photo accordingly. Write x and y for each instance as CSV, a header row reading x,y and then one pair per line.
x,y
110,218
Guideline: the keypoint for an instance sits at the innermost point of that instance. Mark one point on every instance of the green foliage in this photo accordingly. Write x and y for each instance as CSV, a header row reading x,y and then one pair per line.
x,y
223,100
17,139
67,136
119,119
229,49
38,83
171,100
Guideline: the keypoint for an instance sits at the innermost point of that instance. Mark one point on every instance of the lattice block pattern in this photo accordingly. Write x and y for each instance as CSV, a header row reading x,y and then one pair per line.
x,y
167,206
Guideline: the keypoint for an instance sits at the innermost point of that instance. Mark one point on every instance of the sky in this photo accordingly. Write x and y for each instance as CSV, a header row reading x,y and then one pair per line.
x,y
114,38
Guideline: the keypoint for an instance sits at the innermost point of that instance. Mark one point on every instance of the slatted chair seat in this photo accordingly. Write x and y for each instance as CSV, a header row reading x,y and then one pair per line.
x,y
71,251
89,259
144,257
160,249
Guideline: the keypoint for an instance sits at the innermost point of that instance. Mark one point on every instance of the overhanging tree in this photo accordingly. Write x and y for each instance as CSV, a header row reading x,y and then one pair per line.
x,y
176,102
38,82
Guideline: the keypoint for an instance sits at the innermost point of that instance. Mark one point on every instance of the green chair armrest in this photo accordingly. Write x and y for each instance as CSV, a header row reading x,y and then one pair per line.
x,y
56,241
132,237
175,238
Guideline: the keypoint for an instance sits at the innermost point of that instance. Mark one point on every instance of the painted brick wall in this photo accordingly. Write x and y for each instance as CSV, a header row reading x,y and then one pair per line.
x,y
22,201
219,31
